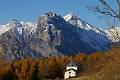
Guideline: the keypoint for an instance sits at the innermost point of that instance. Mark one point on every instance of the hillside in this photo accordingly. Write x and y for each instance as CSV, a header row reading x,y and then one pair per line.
x,y
97,66
107,70
111,71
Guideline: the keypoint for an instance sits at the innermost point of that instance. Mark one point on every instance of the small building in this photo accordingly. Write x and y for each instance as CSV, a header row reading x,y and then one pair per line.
x,y
71,70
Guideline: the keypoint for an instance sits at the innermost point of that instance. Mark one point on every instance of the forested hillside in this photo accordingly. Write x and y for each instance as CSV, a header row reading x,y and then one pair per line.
x,y
100,65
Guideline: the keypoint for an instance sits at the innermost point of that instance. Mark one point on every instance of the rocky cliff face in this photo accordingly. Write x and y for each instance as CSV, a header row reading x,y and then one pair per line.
x,y
53,36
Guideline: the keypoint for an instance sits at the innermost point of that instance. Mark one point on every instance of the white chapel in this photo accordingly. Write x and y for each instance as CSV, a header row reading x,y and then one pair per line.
x,y
71,70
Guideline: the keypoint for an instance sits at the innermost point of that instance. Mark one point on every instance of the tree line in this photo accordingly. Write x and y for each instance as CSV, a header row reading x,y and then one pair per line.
x,y
47,68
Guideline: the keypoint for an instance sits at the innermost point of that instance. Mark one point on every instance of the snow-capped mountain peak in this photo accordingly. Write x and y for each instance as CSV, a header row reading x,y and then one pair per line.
x,y
22,28
49,15
70,16
78,23
4,29
14,23
52,34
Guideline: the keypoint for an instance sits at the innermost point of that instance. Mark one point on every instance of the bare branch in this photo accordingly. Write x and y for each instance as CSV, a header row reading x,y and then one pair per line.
x,y
106,9
118,2
105,12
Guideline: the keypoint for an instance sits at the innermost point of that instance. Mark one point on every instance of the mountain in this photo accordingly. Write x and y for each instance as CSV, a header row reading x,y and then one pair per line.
x,y
52,35
113,34
77,22
94,36
23,28
16,37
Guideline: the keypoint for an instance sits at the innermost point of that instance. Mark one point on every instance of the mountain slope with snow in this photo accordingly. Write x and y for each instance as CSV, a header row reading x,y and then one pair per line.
x,y
53,35
3,29
23,28
113,34
77,22
94,36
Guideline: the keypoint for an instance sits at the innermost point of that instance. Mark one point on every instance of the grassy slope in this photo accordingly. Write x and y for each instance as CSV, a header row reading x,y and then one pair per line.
x,y
110,70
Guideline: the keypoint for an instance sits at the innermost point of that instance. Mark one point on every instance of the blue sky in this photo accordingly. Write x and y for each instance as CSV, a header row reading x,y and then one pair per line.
x,y
29,10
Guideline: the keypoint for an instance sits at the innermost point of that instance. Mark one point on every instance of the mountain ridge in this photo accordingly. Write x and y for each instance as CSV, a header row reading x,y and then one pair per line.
x,y
53,35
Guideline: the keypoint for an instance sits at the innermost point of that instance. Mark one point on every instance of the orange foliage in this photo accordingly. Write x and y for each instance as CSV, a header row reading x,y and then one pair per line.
x,y
47,68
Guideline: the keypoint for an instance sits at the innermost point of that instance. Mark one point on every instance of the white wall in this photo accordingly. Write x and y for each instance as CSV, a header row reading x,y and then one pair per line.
x,y
75,68
70,73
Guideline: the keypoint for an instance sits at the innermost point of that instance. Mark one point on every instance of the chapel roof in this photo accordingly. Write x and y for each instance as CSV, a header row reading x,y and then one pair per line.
x,y
72,64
